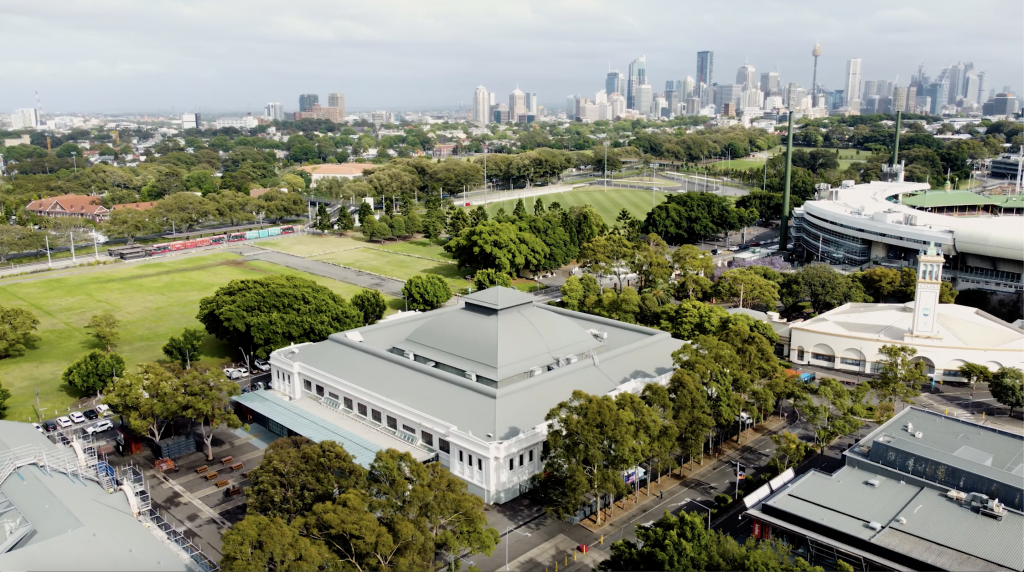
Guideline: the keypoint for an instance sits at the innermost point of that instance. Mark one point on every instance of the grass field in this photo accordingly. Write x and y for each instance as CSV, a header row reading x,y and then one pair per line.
x,y
607,203
153,301
846,157
396,265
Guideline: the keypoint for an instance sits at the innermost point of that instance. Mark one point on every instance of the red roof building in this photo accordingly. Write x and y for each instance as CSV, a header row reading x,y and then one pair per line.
x,y
80,206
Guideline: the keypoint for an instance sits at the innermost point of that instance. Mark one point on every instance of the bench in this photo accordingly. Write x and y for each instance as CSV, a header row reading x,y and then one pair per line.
x,y
201,470
222,483
211,476
246,474
227,460
233,490
236,466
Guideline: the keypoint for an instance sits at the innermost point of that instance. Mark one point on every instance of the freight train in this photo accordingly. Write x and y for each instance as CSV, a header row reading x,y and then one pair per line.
x,y
145,250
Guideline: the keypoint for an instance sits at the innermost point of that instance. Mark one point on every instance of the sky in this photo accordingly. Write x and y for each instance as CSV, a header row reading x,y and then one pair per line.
x,y
216,56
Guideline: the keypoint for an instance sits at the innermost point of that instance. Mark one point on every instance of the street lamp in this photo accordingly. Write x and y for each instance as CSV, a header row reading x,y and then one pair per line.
x,y
74,161
248,370
606,165
508,533
707,509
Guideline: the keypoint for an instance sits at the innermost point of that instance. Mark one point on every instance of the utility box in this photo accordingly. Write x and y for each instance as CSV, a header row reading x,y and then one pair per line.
x,y
175,447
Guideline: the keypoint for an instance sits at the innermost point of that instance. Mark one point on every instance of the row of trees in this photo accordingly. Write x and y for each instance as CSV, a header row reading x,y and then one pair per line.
x,y
311,507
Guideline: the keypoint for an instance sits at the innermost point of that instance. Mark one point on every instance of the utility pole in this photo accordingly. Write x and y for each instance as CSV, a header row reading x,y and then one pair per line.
x,y
49,262
784,230
606,166
71,235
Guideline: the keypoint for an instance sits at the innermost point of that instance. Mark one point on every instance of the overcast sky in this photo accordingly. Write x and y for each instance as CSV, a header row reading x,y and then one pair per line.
x,y
218,55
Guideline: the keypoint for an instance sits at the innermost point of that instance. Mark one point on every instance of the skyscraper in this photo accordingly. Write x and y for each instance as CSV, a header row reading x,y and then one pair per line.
x,y
746,76
956,82
307,100
531,103
852,86
337,100
770,83
644,98
673,94
982,96
274,111
705,67
899,99
870,88
688,86
481,106
814,82
516,105
614,83
637,77
730,93
970,87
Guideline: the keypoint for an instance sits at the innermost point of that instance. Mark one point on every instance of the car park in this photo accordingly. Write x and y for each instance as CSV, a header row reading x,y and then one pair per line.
x,y
77,417
64,422
49,426
100,426
39,428
103,409
262,365
232,373
91,414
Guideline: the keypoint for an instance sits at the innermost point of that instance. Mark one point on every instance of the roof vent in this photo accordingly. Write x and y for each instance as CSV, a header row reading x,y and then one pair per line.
x,y
572,358
408,355
471,376
956,495
910,427
598,335
876,526
901,520
535,371
918,434
874,483
354,336
430,364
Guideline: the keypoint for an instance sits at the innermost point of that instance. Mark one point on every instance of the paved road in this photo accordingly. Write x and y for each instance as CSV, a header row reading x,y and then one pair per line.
x,y
386,285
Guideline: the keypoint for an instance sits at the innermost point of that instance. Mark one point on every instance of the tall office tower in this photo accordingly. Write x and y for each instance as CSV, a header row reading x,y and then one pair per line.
x,y
956,82
570,107
274,111
852,86
307,100
188,120
688,86
660,108
617,104
746,76
936,91
516,105
601,97
814,82
637,77
28,118
615,83
481,107
337,101
705,67
911,99
531,103
644,98
981,88
770,83
730,93
692,105
970,87
899,99
870,88
492,99
673,93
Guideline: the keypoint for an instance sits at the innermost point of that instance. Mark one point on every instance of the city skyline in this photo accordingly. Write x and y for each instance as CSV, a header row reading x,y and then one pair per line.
x,y
371,45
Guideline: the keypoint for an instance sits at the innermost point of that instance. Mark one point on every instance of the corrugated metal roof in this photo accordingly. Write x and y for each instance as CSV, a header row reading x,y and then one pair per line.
x,y
310,426
823,516
946,199
940,557
847,492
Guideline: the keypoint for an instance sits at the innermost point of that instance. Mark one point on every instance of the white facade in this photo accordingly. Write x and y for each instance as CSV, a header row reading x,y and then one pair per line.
x,y
247,122
274,111
851,93
190,121
617,105
481,106
27,118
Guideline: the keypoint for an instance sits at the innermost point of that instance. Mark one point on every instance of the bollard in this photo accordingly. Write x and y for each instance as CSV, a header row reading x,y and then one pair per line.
x,y
601,542
556,566
566,559
574,554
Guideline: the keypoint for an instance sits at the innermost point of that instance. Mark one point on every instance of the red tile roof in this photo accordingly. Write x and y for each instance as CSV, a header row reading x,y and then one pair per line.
x,y
82,205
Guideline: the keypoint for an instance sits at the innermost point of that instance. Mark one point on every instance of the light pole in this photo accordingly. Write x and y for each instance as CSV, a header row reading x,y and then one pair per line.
x,y
508,534
248,370
606,166
74,161
707,509
485,173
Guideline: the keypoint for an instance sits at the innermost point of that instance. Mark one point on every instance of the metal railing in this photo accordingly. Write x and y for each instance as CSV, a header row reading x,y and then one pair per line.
x,y
329,403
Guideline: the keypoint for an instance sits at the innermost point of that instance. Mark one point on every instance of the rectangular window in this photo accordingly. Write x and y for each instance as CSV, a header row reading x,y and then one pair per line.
x,y
332,395
307,385
392,423
479,464
375,415
800,354
471,461
443,445
348,403
531,455
823,357
461,460
850,361
511,464
427,438
876,367
361,408
320,390
408,429
520,459
289,378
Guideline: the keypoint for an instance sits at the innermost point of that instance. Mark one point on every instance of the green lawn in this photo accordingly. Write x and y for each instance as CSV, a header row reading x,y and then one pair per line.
x,y
153,301
607,203
846,157
396,265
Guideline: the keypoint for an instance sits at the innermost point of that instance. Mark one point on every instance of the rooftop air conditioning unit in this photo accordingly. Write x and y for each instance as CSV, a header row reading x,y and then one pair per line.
x,y
956,495
918,434
598,335
535,371
430,364
408,355
847,184
910,427
875,526
572,358
470,376
874,483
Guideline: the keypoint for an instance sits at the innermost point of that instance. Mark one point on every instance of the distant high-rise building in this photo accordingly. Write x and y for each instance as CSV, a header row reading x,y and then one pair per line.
x,y
516,105
673,94
617,104
770,83
870,88
601,97
637,77
730,93
814,82
570,107
852,86
336,100
692,105
481,106
615,83
936,92
746,76
705,67
189,121
492,99
307,100
660,108
28,118
971,87
644,97
274,111
1002,104
531,103
956,75
982,98
688,87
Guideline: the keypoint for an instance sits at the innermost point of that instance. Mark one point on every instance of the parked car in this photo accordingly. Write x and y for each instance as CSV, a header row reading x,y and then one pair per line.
x,y
49,426
91,414
733,248
64,422
262,365
39,428
77,417
715,252
100,426
103,409
232,373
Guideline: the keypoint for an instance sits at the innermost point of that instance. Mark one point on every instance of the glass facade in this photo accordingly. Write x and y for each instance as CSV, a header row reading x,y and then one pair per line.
x,y
832,246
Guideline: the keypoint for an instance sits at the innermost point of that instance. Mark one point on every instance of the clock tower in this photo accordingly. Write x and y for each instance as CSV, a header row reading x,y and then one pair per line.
x,y
926,298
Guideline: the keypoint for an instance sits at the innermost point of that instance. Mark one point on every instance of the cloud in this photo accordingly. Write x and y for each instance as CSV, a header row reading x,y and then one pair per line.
x,y
232,55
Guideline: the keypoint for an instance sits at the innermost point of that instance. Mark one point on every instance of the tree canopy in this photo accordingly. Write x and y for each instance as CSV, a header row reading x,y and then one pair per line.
x,y
94,371
17,331
426,292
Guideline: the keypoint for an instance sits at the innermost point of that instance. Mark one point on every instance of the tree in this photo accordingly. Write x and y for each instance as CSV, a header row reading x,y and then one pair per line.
x,y
1007,386
691,318
277,205
789,451
371,304
398,226
185,348
296,474
261,543
488,277
207,402
365,212
747,289
496,245
687,218
478,215
345,221
323,218
458,221
607,256
520,210
94,371
185,210
130,223
17,330
5,394
147,400
650,261
879,282
572,294
823,286
426,292
16,239
268,313
975,373
899,377
233,207
104,327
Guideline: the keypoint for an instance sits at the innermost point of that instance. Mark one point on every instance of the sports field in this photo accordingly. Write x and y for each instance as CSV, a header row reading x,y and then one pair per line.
x,y
395,265
153,300
846,157
607,203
